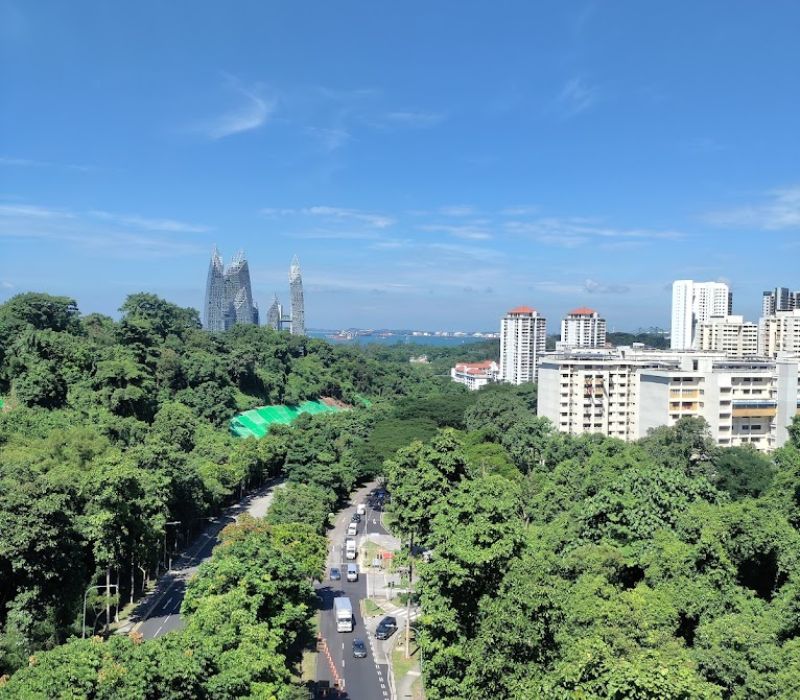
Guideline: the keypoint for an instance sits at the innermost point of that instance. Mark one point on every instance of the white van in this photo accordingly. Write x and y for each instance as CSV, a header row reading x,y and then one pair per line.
x,y
352,572
352,529
361,509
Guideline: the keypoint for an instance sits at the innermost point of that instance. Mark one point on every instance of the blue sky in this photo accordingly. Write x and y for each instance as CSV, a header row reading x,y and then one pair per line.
x,y
432,163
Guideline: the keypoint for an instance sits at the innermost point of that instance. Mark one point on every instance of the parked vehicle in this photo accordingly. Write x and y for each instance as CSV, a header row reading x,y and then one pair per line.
x,y
352,529
336,574
361,509
356,518
352,572
350,548
359,649
386,628
343,610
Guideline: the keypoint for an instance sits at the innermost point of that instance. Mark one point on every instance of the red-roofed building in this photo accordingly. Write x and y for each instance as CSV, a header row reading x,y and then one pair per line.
x,y
523,334
583,328
474,375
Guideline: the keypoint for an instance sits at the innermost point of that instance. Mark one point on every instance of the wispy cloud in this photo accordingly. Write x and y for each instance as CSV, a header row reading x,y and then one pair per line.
x,y
141,222
376,220
467,231
576,96
34,212
30,163
572,232
332,139
85,231
457,210
414,120
778,210
251,112
520,210
587,286
595,287
5,284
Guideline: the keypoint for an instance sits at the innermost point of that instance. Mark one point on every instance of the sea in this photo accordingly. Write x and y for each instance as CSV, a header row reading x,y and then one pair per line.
x,y
398,339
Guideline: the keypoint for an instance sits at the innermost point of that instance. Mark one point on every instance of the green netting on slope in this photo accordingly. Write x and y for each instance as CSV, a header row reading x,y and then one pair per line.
x,y
256,423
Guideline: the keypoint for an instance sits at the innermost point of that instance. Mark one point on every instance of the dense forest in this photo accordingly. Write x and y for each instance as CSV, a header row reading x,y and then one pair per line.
x,y
114,445
584,567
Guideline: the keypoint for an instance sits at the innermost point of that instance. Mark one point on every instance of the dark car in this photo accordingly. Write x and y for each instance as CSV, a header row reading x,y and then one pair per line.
x,y
336,574
356,518
386,628
359,649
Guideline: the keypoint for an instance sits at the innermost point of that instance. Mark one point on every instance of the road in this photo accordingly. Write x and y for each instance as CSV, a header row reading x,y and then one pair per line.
x,y
159,612
365,679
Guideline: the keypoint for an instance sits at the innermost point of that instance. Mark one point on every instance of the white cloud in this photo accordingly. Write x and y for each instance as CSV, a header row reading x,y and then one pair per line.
x,y
5,284
418,120
457,210
779,211
140,222
29,211
576,96
571,232
467,231
252,112
30,163
376,220
331,139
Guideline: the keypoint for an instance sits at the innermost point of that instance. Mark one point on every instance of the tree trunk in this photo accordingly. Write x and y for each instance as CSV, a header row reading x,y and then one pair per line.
x,y
133,578
108,596
408,595
119,598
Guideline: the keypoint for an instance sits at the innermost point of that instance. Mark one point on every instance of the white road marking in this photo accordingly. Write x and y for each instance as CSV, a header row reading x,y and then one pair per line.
x,y
167,604
158,631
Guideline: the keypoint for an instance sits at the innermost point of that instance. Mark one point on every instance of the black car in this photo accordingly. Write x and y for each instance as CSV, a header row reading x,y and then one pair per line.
x,y
336,574
359,649
356,518
386,628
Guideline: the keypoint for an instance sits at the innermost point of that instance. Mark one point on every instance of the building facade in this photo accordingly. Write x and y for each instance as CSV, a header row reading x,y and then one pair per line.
x,y
523,335
229,295
694,303
624,393
731,335
779,299
474,375
780,333
583,328
298,309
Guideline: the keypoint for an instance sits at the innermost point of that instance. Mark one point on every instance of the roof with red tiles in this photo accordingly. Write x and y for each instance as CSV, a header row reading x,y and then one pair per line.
x,y
522,310
582,311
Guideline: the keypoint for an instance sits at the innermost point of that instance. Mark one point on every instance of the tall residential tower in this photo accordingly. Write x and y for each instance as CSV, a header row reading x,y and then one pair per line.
x,y
694,303
298,311
523,334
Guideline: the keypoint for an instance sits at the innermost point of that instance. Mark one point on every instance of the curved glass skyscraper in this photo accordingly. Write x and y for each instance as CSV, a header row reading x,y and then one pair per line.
x,y
229,295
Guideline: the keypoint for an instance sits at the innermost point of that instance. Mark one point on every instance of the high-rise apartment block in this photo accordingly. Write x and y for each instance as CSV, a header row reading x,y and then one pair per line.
x,y
779,299
523,334
623,393
731,335
694,303
780,333
298,320
583,328
229,296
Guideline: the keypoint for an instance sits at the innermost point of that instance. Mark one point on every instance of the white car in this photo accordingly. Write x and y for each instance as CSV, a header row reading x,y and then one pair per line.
x,y
352,572
361,509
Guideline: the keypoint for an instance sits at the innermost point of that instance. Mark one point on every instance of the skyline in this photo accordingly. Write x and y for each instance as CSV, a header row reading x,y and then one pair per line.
x,y
515,158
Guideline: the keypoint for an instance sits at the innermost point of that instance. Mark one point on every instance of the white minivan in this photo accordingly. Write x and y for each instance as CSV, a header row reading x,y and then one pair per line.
x,y
361,509
352,572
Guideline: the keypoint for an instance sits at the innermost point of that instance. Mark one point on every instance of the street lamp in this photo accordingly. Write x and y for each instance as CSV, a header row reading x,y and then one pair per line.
x,y
85,595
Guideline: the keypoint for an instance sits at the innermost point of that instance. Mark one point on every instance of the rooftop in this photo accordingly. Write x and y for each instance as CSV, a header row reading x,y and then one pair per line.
x,y
582,311
522,310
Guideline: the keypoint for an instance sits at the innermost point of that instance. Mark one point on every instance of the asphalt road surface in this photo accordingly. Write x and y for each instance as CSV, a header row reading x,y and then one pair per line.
x,y
365,679
159,612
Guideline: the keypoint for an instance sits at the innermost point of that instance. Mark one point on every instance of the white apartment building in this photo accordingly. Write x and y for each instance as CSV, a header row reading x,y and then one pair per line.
x,y
780,333
623,393
694,303
779,299
583,328
523,334
474,375
744,402
731,335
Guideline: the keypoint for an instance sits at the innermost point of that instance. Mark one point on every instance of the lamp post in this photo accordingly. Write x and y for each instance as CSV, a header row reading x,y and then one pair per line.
x,y
166,525
85,595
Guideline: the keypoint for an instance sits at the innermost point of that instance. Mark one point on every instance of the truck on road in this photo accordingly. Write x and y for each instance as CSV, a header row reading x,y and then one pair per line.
x,y
350,548
343,610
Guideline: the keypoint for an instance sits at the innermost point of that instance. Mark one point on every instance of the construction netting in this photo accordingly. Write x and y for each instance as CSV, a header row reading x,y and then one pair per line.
x,y
256,422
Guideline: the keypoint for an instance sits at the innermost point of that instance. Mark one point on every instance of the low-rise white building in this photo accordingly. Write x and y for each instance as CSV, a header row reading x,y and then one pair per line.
x,y
474,375
731,335
780,333
625,392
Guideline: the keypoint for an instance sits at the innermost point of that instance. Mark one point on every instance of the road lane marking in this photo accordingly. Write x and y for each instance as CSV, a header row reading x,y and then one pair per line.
x,y
167,604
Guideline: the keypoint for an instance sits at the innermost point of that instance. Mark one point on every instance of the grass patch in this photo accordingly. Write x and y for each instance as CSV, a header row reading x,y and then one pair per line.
x,y
400,664
371,550
371,608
